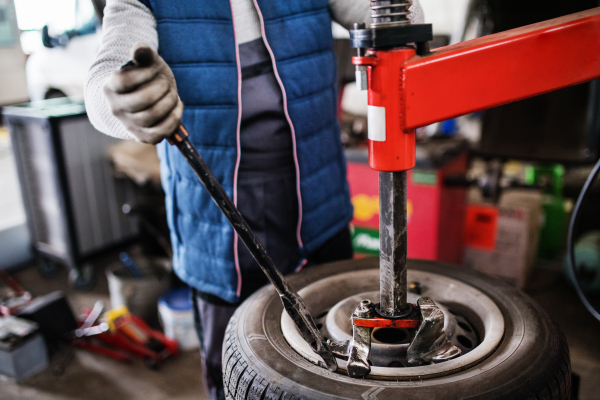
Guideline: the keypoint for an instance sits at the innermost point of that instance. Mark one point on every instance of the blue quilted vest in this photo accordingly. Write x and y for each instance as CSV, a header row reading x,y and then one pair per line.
x,y
196,39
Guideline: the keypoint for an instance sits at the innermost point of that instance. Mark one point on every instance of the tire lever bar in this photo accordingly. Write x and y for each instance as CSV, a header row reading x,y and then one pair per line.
x,y
292,302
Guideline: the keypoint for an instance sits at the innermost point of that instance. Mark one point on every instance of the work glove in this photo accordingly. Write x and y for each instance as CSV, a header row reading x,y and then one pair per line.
x,y
143,96
416,16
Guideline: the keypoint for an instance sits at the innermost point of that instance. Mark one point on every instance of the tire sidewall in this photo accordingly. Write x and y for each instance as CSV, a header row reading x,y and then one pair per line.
x,y
525,363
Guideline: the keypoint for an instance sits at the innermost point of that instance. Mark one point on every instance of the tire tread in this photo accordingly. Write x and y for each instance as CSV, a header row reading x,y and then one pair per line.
x,y
242,381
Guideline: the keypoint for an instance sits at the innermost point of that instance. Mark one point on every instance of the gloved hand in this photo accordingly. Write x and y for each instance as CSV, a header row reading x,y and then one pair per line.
x,y
144,97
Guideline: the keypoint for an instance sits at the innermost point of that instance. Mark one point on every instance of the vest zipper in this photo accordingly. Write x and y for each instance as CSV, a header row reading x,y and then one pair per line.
x,y
239,153
289,120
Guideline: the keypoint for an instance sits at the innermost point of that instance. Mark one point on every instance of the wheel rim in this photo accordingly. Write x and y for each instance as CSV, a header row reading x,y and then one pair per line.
x,y
389,346
337,293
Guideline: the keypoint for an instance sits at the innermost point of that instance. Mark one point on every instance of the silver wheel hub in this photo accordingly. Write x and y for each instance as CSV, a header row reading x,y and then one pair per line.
x,y
472,322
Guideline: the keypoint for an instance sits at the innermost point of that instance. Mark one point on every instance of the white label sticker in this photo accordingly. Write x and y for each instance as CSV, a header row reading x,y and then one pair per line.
x,y
376,123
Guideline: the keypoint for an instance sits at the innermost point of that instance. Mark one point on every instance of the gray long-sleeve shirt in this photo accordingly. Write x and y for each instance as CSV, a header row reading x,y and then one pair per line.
x,y
128,22
266,181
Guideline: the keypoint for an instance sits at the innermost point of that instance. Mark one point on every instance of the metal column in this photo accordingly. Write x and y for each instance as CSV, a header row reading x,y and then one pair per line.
x,y
392,236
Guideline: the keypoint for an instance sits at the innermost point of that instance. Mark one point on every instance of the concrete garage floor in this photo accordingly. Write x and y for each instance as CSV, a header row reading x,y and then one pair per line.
x,y
92,377
550,289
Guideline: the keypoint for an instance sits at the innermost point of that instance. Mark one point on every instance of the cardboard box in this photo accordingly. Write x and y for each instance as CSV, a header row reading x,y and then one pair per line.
x,y
502,240
435,211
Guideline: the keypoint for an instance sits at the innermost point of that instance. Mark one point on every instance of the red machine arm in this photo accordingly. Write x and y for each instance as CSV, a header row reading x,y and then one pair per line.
x,y
407,91
501,68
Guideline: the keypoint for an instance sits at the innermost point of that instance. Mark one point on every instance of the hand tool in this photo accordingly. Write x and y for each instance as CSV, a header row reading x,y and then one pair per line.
x,y
131,266
131,334
77,337
292,302
90,319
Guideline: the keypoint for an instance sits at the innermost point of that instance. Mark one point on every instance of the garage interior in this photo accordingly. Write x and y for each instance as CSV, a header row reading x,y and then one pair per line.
x,y
472,180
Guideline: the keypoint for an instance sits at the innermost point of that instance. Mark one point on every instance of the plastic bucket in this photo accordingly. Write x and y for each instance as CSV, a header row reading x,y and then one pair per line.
x,y
139,295
177,317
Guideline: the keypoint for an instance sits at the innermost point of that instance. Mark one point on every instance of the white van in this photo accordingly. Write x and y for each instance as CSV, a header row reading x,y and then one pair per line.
x,y
13,85
70,43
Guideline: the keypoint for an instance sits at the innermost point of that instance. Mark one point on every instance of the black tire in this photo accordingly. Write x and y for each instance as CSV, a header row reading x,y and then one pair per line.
x,y
531,362
54,94
151,363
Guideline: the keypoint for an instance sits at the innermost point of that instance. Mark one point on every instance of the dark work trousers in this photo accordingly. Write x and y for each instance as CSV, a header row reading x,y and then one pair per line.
x,y
270,208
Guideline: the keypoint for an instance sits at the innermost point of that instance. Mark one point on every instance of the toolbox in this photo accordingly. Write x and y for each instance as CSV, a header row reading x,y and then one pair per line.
x,y
435,211
22,349
72,200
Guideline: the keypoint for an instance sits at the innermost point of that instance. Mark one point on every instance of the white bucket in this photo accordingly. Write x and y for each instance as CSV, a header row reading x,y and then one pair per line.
x,y
177,316
139,295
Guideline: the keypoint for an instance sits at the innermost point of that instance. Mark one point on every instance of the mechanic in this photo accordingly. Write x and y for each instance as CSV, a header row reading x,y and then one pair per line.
x,y
258,83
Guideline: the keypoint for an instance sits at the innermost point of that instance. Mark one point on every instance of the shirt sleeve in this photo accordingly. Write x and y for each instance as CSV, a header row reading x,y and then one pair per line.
x,y
347,12
126,23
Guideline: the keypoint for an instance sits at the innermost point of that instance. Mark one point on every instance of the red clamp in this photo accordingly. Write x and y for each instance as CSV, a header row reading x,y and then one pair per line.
x,y
386,323
390,147
365,60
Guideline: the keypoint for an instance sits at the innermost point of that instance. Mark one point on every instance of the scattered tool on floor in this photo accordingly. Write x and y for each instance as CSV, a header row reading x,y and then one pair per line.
x,y
133,336
80,338
87,328
12,301
119,335
131,266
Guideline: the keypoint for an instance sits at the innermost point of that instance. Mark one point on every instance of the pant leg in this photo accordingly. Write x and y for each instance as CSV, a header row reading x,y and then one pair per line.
x,y
211,318
336,248
270,206
212,314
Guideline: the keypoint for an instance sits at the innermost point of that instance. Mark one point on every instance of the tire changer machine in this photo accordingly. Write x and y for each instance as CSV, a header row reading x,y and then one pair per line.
x,y
409,87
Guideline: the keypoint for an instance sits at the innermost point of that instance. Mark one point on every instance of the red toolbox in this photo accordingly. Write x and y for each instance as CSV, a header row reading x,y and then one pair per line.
x,y
436,213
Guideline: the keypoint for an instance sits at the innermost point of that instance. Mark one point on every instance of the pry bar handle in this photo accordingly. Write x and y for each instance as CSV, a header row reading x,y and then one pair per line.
x,y
292,302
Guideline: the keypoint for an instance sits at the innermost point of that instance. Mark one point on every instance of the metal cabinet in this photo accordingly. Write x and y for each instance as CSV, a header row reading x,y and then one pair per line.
x,y
72,200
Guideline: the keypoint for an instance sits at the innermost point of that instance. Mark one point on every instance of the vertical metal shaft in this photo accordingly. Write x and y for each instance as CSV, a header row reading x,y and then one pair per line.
x,y
392,237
